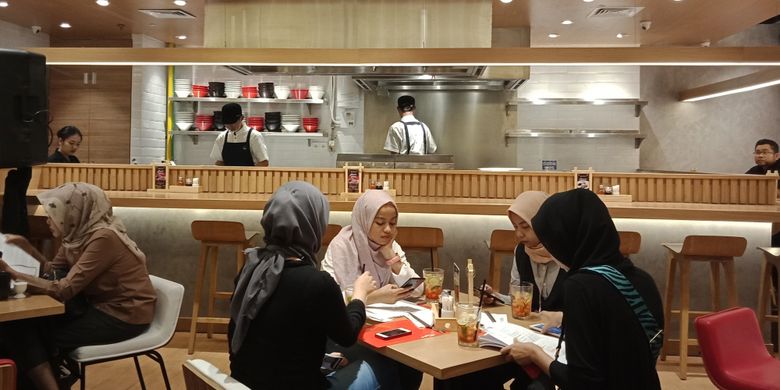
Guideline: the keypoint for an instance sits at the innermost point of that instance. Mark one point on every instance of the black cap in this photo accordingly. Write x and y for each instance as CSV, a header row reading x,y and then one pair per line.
x,y
406,103
231,113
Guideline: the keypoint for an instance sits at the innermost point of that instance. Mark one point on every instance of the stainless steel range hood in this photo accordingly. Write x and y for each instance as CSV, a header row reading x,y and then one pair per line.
x,y
418,78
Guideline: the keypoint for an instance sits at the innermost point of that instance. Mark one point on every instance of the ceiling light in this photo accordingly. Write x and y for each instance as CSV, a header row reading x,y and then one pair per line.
x,y
3,4
182,37
567,21
506,1
102,3
620,35
65,25
588,1
750,82
553,35
180,3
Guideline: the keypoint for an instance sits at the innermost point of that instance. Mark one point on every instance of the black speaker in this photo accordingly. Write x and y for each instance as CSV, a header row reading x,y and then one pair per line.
x,y
24,109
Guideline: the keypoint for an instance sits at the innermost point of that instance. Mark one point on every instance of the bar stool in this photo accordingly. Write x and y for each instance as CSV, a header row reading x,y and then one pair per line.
x,y
421,238
768,292
502,243
630,242
212,235
716,250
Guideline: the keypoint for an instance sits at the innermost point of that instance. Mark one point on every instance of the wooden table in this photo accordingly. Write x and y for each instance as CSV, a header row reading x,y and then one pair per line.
x,y
442,357
32,306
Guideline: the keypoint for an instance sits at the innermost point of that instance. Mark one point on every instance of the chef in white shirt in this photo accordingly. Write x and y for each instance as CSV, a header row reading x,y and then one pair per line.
x,y
238,145
409,136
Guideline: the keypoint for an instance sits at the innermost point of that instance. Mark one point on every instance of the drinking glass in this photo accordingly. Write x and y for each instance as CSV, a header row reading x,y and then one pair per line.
x,y
434,279
348,294
522,295
466,316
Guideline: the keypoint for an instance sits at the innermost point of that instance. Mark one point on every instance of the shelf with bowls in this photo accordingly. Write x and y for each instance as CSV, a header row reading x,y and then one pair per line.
x,y
246,100
573,133
196,134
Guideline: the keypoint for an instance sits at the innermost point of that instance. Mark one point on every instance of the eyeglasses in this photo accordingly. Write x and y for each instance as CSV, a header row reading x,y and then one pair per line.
x,y
763,152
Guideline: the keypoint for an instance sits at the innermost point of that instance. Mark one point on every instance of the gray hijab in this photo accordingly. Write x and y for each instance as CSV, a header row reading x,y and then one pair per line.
x,y
294,220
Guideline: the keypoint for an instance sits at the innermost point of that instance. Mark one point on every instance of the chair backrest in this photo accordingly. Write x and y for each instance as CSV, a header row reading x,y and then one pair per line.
x,y
330,232
730,340
420,237
502,241
202,375
714,246
630,242
7,374
166,311
219,231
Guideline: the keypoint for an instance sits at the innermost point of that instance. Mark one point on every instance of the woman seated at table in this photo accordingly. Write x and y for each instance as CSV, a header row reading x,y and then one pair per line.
x,y
369,244
283,308
99,273
610,344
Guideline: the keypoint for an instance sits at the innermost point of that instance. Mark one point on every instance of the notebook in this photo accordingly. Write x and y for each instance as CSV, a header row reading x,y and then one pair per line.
x,y
499,335
18,259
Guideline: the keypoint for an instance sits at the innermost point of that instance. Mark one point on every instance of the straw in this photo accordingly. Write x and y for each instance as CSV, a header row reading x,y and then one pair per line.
x,y
432,267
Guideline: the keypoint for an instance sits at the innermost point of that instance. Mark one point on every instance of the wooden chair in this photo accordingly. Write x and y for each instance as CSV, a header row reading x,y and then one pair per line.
x,y
7,374
717,251
502,243
212,235
630,242
421,238
767,292
330,233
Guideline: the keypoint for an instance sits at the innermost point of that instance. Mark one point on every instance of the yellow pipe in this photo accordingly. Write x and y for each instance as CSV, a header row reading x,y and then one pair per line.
x,y
169,117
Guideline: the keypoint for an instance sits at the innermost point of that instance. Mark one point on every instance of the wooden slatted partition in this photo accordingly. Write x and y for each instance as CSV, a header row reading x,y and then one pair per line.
x,y
644,187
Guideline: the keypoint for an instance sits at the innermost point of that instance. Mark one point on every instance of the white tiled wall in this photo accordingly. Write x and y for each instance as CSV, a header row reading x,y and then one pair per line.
x,y
616,154
13,36
147,121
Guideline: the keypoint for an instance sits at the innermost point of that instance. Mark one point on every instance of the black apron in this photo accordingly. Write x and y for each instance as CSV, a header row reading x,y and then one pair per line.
x,y
237,154
409,142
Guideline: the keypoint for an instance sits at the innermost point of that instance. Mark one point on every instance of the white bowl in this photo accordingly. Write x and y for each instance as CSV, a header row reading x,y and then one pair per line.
x,y
281,93
315,88
184,126
232,95
316,94
290,128
182,94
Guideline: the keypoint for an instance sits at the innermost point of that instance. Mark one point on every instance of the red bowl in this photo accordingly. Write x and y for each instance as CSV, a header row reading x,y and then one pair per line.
x,y
249,92
310,128
299,93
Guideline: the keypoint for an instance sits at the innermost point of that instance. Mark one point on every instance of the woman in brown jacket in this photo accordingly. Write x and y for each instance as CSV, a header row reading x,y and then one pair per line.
x,y
99,273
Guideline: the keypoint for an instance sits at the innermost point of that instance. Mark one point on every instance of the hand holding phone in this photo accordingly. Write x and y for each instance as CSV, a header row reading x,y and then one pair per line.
x,y
412,283
331,362
552,331
393,333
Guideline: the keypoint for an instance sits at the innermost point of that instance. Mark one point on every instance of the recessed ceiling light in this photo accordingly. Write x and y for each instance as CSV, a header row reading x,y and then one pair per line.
x,y
619,35
567,21
182,37
3,4
180,3
588,1
506,1
553,35
102,3
65,25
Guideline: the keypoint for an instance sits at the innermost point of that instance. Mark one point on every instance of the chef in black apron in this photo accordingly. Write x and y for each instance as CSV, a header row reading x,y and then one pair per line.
x,y
238,145
409,136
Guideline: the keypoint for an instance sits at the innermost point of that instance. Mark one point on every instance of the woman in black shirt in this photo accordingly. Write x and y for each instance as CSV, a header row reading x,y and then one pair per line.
x,y
284,308
69,138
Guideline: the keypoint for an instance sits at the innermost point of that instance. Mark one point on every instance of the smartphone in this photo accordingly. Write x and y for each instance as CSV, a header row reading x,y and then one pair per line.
x,y
393,333
412,283
554,331
330,363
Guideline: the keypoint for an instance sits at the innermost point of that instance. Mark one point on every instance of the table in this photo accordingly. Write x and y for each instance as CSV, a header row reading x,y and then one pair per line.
x,y
442,357
32,306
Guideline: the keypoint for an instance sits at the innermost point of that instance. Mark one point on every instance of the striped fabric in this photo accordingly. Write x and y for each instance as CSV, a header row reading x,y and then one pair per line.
x,y
653,332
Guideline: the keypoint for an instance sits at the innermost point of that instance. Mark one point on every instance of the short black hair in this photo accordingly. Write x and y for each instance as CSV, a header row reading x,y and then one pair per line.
x,y
69,131
406,103
772,144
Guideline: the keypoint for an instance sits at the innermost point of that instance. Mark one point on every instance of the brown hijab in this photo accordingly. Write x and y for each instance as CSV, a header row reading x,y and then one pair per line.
x,y
525,206
80,209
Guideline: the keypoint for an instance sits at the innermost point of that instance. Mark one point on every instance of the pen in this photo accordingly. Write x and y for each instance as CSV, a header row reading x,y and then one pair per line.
x,y
490,316
419,320
492,295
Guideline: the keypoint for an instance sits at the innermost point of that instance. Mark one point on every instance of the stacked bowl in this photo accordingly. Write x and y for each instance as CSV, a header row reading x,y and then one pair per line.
x,y
266,90
204,122
233,88
311,124
300,93
316,92
216,89
218,125
291,123
256,122
249,92
200,90
182,87
282,91
273,121
185,120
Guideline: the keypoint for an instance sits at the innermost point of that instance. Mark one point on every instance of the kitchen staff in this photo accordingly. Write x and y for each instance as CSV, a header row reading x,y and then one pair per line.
x,y
69,138
409,136
238,145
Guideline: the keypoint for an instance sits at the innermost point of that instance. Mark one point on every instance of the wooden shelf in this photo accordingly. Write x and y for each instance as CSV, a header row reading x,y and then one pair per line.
x,y
246,100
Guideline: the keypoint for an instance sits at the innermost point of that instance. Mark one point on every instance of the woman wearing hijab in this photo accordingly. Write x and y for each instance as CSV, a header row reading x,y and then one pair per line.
x,y
284,309
610,343
99,273
369,244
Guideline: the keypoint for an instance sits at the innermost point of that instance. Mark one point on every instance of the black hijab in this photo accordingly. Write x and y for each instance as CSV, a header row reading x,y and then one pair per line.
x,y
294,220
576,229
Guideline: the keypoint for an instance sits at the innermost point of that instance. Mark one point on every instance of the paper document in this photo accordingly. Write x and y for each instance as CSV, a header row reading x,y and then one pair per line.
x,y
499,335
18,259
384,312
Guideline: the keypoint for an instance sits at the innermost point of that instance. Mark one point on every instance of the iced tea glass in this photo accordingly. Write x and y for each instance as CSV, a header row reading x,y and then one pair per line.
x,y
434,281
522,295
466,316
348,294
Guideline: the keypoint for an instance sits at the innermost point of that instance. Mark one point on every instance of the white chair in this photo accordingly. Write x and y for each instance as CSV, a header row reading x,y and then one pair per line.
x,y
202,375
169,297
